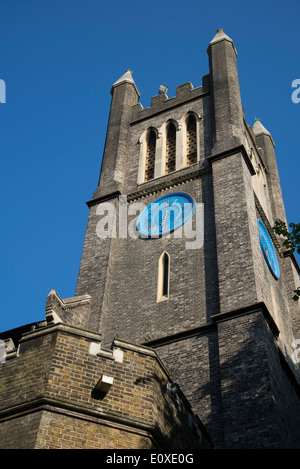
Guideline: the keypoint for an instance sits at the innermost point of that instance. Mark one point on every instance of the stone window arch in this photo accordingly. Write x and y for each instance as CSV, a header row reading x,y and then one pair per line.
x,y
150,154
163,282
191,143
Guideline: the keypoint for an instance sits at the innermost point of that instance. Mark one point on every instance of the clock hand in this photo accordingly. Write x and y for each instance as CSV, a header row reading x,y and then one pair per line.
x,y
164,220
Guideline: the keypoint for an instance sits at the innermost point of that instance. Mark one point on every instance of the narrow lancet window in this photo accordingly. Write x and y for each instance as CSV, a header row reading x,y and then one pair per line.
x,y
163,277
150,155
170,148
191,140
165,283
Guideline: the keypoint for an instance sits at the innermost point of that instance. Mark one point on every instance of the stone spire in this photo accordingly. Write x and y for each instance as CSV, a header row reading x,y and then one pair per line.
x,y
265,141
126,78
259,129
226,99
124,94
221,36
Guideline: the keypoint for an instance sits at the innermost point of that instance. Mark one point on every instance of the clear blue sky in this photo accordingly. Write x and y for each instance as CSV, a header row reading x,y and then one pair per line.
x,y
59,60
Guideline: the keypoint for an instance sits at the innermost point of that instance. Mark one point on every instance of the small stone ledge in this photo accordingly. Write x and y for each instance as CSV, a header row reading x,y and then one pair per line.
x,y
167,182
60,327
259,308
142,349
75,409
232,151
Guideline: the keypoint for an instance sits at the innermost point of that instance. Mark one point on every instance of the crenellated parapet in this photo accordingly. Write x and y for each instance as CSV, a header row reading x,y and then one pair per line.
x,y
161,103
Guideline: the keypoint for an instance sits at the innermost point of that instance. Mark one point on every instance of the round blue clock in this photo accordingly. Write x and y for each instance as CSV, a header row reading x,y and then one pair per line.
x,y
268,249
166,214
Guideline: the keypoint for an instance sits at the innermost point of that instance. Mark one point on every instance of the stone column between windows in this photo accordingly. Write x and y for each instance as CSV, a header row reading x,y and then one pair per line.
x,y
142,159
180,153
159,167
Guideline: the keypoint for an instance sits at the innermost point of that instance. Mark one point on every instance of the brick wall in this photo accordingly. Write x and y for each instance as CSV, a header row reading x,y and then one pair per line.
x,y
49,397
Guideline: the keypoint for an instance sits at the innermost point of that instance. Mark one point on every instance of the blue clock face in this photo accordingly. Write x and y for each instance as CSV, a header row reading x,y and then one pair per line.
x,y
166,214
268,249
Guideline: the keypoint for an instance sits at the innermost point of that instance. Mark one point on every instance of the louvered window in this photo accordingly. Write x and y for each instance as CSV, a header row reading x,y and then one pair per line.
x,y
150,155
191,141
171,148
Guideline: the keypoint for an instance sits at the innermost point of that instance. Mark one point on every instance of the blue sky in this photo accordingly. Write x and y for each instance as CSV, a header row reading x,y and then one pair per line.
x,y
59,60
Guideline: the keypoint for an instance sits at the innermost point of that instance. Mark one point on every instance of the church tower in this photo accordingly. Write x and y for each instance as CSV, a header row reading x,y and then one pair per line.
x,y
180,259
209,300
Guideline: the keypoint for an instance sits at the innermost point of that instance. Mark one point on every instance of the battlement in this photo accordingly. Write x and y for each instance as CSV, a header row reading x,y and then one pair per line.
x,y
161,102
69,392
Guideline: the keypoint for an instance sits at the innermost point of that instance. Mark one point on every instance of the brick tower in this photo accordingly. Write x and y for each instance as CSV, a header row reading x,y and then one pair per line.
x,y
210,294
226,327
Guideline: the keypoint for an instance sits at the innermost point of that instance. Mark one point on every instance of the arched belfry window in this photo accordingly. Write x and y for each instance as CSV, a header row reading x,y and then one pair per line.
x,y
163,283
170,148
191,140
150,155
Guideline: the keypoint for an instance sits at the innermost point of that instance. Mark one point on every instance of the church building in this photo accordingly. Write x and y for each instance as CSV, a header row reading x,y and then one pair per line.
x,y
181,333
